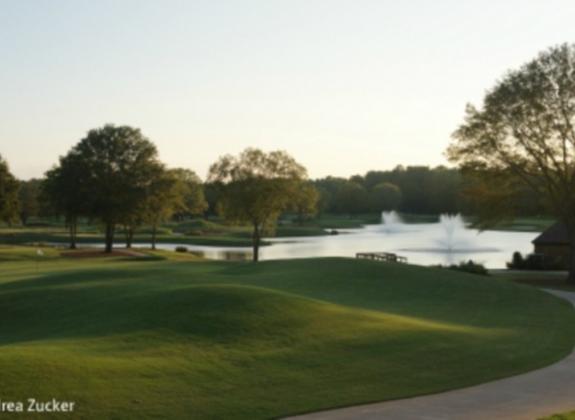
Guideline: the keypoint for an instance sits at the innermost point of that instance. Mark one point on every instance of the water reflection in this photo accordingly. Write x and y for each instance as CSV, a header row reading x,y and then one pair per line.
x,y
420,243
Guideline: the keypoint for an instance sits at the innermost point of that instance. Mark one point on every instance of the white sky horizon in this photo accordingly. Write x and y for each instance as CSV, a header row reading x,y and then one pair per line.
x,y
343,86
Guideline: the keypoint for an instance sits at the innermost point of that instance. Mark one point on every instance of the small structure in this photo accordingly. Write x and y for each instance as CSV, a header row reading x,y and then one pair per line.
x,y
381,256
553,243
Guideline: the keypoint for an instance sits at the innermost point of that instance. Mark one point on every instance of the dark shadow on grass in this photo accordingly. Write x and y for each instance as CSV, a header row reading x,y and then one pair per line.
x,y
217,313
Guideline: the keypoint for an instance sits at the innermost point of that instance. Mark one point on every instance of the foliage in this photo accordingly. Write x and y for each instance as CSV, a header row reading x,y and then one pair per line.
x,y
524,135
193,199
420,190
64,191
117,165
350,198
467,267
305,201
8,194
470,267
257,188
535,262
385,197
165,195
29,200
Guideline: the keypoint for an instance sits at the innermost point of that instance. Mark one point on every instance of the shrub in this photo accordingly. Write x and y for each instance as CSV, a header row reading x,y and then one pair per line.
x,y
181,249
535,262
467,267
470,267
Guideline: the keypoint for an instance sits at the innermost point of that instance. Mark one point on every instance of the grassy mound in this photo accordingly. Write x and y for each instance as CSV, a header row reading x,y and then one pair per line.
x,y
186,339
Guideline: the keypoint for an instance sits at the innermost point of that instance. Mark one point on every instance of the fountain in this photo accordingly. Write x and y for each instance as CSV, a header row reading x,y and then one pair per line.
x,y
452,225
449,236
391,221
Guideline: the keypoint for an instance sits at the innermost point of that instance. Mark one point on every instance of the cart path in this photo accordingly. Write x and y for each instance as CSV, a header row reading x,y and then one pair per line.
x,y
528,396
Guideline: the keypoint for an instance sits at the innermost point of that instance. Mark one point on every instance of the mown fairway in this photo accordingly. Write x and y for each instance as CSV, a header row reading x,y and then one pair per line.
x,y
191,339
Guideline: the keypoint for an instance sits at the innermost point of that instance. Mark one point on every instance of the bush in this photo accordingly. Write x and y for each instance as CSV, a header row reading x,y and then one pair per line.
x,y
181,249
535,262
468,267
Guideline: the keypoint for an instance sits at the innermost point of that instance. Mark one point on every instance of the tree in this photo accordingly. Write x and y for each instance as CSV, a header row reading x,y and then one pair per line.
x,y
28,198
257,188
305,201
213,192
192,191
66,192
524,135
328,188
385,197
118,164
351,198
8,194
165,196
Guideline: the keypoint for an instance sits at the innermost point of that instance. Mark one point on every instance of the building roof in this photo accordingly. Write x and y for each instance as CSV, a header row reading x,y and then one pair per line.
x,y
554,235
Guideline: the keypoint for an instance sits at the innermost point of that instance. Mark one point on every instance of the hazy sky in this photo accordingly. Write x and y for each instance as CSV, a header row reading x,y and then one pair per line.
x,y
344,86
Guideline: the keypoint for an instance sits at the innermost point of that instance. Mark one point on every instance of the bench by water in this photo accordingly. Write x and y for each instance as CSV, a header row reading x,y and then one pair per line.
x,y
381,256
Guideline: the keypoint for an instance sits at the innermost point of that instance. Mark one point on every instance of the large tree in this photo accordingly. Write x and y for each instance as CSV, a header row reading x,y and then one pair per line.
x,y
385,197
257,188
8,194
64,191
351,198
305,202
118,164
165,196
523,136
28,197
192,192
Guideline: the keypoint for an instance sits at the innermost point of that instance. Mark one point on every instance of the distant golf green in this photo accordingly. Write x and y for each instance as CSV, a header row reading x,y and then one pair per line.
x,y
159,338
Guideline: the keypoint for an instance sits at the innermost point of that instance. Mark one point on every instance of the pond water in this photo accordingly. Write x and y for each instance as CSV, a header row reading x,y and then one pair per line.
x,y
448,241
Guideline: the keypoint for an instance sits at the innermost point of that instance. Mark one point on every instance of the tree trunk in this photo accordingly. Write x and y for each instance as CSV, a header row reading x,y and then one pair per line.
x,y
256,243
73,229
154,236
109,237
129,236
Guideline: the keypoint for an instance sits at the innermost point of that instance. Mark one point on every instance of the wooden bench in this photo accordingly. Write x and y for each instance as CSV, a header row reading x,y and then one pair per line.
x,y
381,256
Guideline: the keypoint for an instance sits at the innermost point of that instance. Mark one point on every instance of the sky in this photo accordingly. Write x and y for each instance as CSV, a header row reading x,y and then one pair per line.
x,y
343,86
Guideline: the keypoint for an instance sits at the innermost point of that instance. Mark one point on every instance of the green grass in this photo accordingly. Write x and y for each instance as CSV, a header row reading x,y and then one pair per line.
x,y
26,236
161,338
525,224
543,279
334,221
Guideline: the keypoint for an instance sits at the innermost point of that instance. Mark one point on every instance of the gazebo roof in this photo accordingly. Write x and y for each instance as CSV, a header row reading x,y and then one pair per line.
x,y
554,235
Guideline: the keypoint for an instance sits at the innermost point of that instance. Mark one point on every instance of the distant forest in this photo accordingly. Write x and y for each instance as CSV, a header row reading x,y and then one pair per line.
x,y
411,189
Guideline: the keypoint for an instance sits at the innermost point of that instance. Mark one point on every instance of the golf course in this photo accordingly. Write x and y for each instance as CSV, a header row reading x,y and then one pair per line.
x,y
168,335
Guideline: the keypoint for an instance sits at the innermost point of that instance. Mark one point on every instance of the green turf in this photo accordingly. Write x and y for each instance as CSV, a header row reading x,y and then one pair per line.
x,y
26,237
525,224
543,279
219,340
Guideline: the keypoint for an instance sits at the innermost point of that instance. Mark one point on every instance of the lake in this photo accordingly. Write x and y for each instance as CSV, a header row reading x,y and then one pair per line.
x,y
446,242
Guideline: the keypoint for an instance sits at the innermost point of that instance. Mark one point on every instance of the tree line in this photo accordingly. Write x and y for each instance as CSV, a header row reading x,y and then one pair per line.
x,y
411,189
114,176
515,155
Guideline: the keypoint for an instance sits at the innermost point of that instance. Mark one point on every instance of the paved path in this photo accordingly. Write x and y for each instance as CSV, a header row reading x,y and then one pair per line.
x,y
535,394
